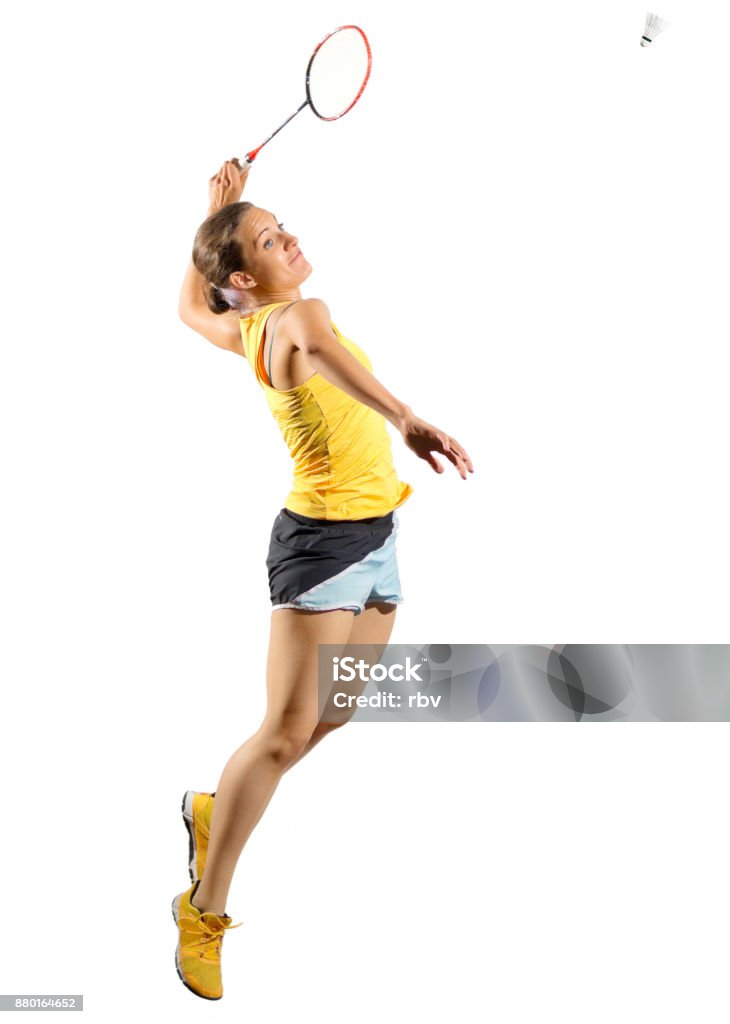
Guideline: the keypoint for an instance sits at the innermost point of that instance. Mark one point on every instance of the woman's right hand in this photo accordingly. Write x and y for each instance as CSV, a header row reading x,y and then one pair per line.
x,y
226,186
424,439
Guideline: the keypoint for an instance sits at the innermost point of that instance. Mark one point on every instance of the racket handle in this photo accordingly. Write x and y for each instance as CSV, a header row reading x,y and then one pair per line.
x,y
246,163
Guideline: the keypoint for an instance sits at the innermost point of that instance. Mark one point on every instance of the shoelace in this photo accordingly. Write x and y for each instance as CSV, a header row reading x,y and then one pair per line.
x,y
213,928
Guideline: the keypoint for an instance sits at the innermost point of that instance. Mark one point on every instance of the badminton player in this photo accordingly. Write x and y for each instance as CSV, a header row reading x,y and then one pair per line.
x,y
333,573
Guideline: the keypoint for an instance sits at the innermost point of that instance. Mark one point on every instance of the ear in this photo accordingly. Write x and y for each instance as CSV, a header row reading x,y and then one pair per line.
x,y
242,279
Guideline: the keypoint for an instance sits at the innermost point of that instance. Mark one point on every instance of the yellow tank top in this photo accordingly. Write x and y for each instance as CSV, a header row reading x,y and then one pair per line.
x,y
343,465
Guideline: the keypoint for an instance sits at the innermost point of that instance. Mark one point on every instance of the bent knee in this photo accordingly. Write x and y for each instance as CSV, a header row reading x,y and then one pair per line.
x,y
284,743
335,721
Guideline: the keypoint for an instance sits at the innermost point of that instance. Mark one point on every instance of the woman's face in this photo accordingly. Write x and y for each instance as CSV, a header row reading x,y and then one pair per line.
x,y
272,255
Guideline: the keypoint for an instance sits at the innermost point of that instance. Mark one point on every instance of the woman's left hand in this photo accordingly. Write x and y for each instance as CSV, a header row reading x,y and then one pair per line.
x,y
424,439
227,185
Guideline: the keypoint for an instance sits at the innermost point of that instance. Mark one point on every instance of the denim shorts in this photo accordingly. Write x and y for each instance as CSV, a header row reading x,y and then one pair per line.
x,y
323,565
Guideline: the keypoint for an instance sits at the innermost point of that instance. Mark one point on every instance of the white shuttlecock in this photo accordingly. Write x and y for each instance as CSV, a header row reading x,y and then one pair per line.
x,y
654,25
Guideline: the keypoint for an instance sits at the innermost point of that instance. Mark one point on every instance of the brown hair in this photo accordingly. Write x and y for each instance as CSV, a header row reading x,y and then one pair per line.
x,y
218,253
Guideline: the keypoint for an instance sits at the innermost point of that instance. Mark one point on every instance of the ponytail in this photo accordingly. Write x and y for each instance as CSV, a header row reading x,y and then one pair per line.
x,y
218,253
220,300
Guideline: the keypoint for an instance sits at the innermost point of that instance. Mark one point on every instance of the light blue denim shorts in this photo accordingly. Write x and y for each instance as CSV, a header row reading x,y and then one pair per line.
x,y
322,565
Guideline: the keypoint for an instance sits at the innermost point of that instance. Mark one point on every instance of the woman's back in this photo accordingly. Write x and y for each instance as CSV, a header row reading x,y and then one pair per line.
x,y
343,465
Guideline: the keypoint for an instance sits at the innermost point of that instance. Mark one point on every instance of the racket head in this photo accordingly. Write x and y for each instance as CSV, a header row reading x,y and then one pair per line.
x,y
338,72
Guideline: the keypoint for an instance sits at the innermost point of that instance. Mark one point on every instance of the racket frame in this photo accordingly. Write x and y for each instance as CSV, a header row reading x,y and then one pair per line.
x,y
365,79
252,154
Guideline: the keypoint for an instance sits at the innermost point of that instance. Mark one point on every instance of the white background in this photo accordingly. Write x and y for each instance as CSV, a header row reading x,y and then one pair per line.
x,y
524,222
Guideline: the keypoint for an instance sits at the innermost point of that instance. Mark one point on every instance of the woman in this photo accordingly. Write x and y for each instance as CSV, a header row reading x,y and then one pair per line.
x,y
332,562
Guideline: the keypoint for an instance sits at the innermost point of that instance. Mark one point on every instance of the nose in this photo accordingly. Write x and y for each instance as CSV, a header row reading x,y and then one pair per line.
x,y
291,240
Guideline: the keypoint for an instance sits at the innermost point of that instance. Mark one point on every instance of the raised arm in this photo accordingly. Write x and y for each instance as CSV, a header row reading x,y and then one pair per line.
x,y
221,329
309,327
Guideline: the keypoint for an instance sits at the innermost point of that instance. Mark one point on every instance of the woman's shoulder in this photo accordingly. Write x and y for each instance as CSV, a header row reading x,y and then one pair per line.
x,y
311,309
307,315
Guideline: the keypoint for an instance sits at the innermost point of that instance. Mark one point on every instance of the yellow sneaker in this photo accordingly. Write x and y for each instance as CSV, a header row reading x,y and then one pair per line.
x,y
196,810
198,953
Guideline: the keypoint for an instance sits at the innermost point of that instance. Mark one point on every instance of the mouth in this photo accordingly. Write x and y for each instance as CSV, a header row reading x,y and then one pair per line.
x,y
299,253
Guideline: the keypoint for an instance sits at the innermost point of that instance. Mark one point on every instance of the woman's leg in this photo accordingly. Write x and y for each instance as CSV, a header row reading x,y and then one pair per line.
x,y
253,772
374,626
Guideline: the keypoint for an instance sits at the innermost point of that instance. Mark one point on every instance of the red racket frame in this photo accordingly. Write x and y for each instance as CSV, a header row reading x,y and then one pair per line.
x,y
251,156
365,80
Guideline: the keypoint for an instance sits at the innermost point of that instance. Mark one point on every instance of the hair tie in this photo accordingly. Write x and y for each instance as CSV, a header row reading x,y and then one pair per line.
x,y
233,296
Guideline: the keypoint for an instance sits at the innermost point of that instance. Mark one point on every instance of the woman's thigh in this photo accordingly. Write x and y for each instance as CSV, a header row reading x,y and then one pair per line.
x,y
374,626
371,632
292,664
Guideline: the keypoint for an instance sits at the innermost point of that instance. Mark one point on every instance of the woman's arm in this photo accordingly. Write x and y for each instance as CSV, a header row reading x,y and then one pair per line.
x,y
309,327
222,330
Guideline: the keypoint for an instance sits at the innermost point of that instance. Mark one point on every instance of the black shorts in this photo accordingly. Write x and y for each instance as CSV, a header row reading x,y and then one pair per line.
x,y
323,564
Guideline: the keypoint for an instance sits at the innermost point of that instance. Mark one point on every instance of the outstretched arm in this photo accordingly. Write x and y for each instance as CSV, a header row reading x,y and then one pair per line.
x,y
310,330
222,330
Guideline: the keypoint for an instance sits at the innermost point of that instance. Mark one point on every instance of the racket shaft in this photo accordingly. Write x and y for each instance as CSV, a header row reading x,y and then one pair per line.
x,y
252,154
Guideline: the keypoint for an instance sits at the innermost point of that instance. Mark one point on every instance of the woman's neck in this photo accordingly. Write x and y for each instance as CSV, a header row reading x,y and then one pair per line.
x,y
260,299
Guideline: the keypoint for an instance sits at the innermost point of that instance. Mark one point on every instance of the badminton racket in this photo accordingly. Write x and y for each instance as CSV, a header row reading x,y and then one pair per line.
x,y
337,74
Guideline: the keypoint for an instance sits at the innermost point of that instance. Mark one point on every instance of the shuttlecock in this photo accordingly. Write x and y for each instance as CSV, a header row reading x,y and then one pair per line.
x,y
654,25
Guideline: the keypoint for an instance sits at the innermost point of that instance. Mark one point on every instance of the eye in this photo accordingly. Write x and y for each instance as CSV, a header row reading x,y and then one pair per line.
x,y
270,241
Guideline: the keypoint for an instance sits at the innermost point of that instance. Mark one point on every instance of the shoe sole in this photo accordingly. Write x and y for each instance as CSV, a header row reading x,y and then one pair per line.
x,y
187,813
178,968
